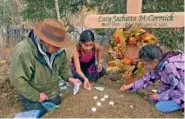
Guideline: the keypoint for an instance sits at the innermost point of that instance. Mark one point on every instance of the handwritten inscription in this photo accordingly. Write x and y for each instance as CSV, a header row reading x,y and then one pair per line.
x,y
145,20
136,20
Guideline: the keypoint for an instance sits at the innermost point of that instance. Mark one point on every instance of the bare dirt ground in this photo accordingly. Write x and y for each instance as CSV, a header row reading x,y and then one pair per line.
x,y
126,105
8,96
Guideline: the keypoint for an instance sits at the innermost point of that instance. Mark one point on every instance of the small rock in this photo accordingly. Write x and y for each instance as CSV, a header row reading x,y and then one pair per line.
x,y
131,106
154,91
102,99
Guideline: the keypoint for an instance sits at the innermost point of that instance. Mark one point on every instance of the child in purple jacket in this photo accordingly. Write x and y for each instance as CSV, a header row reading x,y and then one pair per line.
x,y
169,68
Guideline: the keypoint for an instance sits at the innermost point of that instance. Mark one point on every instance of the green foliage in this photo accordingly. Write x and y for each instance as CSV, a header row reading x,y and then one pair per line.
x,y
35,10
40,9
109,6
150,6
8,13
100,32
172,38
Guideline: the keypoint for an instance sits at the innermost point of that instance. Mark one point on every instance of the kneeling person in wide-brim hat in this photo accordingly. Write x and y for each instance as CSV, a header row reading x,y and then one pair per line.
x,y
38,61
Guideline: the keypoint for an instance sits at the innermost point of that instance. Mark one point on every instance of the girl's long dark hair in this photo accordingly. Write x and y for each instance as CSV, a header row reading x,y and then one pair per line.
x,y
151,52
85,36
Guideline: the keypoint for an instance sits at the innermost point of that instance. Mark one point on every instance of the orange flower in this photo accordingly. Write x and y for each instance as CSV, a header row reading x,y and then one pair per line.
x,y
117,39
126,61
132,41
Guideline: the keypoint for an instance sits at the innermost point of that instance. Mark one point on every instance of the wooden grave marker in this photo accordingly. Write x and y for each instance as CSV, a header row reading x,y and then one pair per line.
x,y
134,17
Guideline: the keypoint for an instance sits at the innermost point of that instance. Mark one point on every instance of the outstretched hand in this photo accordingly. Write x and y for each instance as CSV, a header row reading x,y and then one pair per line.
x,y
125,87
99,68
87,84
154,96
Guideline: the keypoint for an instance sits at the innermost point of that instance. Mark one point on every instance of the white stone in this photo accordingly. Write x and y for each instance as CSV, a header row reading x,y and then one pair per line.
x,y
93,109
111,103
131,106
95,97
106,96
102,99
98,104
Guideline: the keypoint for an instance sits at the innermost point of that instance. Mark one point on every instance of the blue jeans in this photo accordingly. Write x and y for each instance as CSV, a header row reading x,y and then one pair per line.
x,y
30,105
166,106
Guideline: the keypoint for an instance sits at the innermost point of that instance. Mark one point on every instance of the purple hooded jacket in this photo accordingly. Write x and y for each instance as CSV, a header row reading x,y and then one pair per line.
x,y
171,73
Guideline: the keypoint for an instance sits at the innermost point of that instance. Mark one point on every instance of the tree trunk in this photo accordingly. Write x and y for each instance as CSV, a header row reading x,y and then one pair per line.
x,y
57,10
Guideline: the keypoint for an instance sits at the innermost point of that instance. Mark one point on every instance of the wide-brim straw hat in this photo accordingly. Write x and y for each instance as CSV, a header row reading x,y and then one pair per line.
x,y
52,32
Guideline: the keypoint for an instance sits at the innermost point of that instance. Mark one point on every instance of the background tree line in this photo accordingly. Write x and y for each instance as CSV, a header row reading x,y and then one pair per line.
x,y
14,12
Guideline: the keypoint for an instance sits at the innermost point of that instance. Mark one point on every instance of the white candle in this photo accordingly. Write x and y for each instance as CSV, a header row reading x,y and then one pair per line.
x,y
111,103
102,99
95,97
98,104
106,96
93,109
